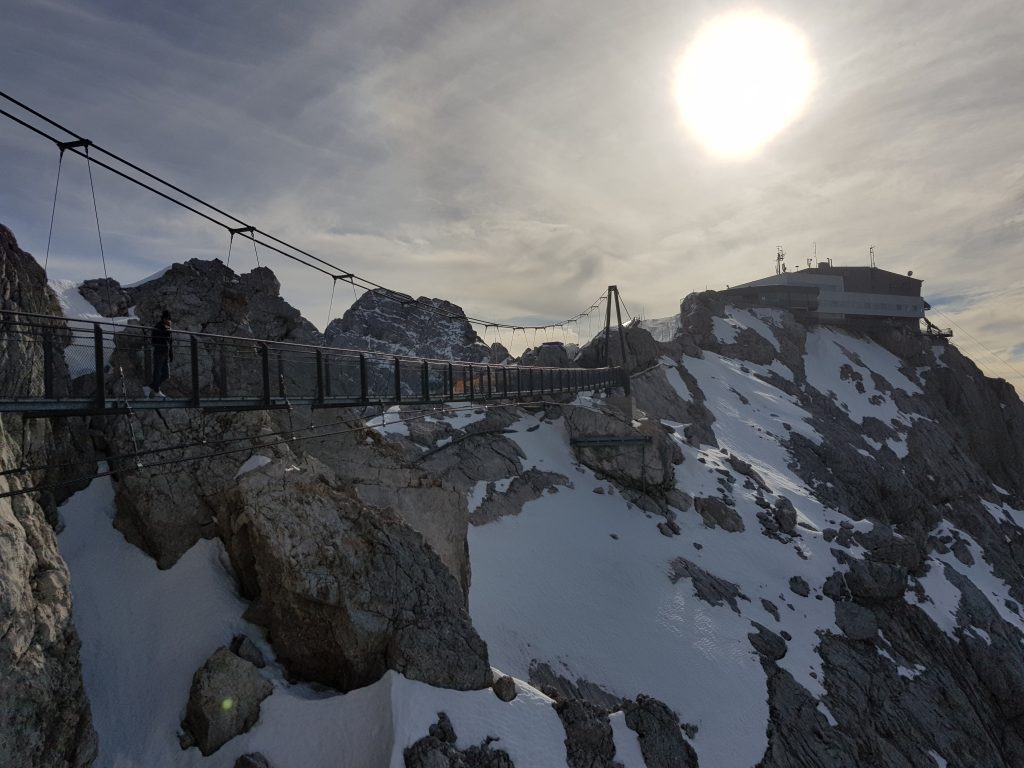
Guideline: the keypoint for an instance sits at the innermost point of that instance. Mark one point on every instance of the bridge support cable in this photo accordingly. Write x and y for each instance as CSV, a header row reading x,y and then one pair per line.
x,y
53,212
196,205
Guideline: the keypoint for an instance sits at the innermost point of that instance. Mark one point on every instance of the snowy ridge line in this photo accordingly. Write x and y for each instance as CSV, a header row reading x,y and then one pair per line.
x,y
171,462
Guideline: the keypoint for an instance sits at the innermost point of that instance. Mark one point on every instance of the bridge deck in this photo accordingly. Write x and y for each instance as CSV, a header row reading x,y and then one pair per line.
x,y
58,367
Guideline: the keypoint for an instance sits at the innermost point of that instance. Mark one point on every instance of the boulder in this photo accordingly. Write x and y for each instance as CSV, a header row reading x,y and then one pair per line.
x,y
717,514
649,467
873,582
224,701
504,688
345,590
708,587
767,643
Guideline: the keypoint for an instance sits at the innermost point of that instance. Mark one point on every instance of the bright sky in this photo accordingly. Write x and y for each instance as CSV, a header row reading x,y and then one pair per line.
x,y
517,158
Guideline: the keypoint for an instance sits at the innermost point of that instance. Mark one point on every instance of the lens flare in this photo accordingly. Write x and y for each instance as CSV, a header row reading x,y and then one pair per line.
x,y
744,78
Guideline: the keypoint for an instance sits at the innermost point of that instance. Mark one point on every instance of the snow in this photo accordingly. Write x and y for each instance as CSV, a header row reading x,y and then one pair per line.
x,y
662,328
1000,490
151,278
477,495
676,382
253,462
389,422
76,308
755,322
605,610
940,761
724,330
627,746
144,632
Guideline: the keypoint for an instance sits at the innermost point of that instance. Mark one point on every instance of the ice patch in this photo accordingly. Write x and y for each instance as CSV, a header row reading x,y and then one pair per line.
x,y
724,330
389,422
253,462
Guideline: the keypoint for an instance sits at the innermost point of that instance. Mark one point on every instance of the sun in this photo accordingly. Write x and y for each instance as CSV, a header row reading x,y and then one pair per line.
x,y
744,78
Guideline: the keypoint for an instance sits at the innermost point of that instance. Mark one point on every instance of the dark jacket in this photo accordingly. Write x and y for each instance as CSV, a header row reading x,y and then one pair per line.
x,y
161,338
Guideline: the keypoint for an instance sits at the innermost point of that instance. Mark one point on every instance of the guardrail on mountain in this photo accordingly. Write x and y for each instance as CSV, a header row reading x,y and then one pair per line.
x,y
60,366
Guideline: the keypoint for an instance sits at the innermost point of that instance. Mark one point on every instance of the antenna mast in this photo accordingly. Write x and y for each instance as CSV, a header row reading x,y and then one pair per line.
x,y
780,256
871,254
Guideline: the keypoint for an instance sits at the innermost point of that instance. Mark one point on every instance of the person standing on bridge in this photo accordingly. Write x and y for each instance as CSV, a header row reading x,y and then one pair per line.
x,y
163,353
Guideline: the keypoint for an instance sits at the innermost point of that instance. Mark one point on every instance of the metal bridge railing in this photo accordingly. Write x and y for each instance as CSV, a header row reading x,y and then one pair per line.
x,y
55,366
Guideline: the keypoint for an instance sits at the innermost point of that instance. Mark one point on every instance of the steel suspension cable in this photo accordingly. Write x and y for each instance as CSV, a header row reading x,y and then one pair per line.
x,y
53,212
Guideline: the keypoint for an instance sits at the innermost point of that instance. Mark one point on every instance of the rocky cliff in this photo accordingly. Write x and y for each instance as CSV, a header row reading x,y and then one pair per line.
x,y
802,548
44,715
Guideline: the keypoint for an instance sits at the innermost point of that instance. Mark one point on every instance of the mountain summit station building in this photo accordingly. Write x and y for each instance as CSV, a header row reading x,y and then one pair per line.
x,y
861,296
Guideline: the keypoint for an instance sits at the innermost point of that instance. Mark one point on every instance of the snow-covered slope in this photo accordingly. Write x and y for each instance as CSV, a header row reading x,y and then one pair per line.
x,y
835,578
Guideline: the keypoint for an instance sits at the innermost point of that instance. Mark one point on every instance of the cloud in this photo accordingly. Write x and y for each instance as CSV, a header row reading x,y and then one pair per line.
x,y
517,159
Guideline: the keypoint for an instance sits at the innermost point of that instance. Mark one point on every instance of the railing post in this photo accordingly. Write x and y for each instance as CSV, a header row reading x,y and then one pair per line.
x,y
530,371
364,380
47,365
472,387
398,380
487,369
425,382
101,381
280,376
223,378
504,379
451,383
265,365
625,378
193,358
320,377
328,391
519,383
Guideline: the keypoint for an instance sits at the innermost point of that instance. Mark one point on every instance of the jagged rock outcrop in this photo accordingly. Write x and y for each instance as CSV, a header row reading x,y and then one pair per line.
x,y
346,591
107,295
224,701
381,321
648,468
45,719
209,297
438,750
660,734
588,735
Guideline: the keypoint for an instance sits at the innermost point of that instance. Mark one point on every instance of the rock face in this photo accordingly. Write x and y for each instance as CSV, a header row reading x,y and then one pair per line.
x,y
380,321
438,750
648,468
588,735
346,591
224,701
660,734
44,714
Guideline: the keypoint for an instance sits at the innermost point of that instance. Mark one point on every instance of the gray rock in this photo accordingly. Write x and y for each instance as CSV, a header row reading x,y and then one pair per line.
x,y
659,733
717,514
107,296
246,649
649,468
530,485
378,321
504,688
346,591
45,719
224,700
785,515
872,582
857,622
253,760
798,585
438,750
767,643
589,742
709,588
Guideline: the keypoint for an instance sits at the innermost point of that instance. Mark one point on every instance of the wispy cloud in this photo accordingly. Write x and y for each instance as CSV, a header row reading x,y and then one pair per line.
x,y
518,158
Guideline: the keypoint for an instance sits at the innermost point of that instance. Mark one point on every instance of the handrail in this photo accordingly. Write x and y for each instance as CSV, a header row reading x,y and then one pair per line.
x,y
121,327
